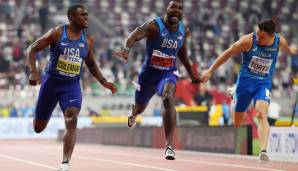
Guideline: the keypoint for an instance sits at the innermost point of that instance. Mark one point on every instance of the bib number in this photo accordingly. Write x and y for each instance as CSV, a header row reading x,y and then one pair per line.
x,y
161,60
69,65
260,65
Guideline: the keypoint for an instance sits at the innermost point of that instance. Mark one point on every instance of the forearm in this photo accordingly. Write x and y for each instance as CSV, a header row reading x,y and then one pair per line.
x,y
129,42
94,70
32,59
187,66
219,61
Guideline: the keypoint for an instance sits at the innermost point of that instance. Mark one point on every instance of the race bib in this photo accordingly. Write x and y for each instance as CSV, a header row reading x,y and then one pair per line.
x,y
260,65
69,65
161,60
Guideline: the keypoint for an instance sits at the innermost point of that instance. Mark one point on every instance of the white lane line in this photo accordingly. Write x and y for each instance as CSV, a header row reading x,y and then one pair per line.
x,y
124,163
229,165
27,162
185,160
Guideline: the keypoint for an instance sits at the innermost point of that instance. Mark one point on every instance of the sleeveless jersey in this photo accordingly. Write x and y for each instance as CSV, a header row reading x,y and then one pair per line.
x,y
259,62
66,57
161,53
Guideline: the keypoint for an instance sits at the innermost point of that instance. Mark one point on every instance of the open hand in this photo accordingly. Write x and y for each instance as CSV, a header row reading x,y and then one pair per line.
x,y
122,54
110,86
206,76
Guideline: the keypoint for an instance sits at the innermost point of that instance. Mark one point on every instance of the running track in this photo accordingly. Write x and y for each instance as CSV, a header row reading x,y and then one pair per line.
x,y
17,155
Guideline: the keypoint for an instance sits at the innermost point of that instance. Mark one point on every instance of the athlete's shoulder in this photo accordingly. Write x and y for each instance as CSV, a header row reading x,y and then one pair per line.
x,y
152,25
55,33
246,42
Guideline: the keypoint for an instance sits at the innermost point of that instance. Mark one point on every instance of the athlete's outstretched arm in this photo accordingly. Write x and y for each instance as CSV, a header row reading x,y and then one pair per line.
x,y
242,45
147,30
93,68
284,46
182,55
41,43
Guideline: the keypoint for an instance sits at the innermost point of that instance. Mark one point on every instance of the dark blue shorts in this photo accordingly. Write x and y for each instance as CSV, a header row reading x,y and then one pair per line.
x,y
152,82
52,91
249,89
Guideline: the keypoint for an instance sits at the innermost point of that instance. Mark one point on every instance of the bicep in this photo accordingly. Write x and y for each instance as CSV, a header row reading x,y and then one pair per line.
x,y
283,45
146,30
242,45
182,53
45,40
90,56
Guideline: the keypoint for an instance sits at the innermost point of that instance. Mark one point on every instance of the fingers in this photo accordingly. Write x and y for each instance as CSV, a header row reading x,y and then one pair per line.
x,y
122,55
32,82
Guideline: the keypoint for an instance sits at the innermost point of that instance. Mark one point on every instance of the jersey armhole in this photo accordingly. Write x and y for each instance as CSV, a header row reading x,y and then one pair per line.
x,y
252,45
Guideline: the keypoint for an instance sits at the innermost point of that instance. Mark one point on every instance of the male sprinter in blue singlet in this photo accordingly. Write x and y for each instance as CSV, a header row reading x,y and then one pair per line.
x,y
69,47
165,41
260,51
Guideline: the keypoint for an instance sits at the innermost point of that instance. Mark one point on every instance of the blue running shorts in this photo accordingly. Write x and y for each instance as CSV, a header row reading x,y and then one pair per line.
x,y
52,91
152,82
248,89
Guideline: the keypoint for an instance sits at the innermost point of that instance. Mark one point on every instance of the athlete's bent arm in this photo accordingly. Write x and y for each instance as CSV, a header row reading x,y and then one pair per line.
x,y
41,43
93,68
147,30
182,55
284,46
242,45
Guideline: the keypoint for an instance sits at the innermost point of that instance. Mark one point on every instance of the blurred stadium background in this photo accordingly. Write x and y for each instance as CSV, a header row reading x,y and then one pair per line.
x,y
214,26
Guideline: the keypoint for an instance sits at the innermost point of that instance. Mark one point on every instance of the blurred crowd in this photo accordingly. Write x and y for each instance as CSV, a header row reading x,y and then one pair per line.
x,y
214,25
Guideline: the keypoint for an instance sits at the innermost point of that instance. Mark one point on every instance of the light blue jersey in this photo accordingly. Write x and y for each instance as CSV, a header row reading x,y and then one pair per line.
x,y
161,53
255,77
260,61
66,57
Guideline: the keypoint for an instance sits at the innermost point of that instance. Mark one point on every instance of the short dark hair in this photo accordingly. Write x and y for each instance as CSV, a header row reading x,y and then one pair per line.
x,y
72,9
267,25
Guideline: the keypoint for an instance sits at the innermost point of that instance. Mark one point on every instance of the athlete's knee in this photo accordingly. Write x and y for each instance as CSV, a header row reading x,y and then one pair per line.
x,y
168,98
39,125
38,128
71,121
262,113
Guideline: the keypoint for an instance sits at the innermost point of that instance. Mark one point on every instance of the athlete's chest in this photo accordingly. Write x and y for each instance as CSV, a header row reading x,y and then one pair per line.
x,y
73,49
171,41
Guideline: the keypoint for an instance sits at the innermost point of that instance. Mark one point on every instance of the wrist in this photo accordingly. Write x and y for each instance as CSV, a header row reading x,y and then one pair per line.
x,y
126,49
33,71
103,80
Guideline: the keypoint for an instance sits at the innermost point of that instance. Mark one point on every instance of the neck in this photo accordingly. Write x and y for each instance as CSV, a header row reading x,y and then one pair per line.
x,y
74,29
171,27
269,42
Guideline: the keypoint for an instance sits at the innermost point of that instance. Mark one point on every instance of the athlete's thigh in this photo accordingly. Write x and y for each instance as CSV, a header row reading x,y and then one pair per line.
x,y
70,96
243,96
263,92
168,78
47,99
147,89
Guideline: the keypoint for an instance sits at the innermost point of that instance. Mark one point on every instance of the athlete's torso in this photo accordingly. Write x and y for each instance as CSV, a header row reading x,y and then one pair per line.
x,y
259,62
161,52
67,56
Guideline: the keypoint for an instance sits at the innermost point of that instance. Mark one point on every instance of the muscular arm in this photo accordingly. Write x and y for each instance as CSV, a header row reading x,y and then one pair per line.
x,y
284,46
182,55
242,45
44,41
91,63
147,30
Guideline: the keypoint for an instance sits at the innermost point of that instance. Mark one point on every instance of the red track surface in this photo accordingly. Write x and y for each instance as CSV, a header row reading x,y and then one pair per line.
x,y
46,155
